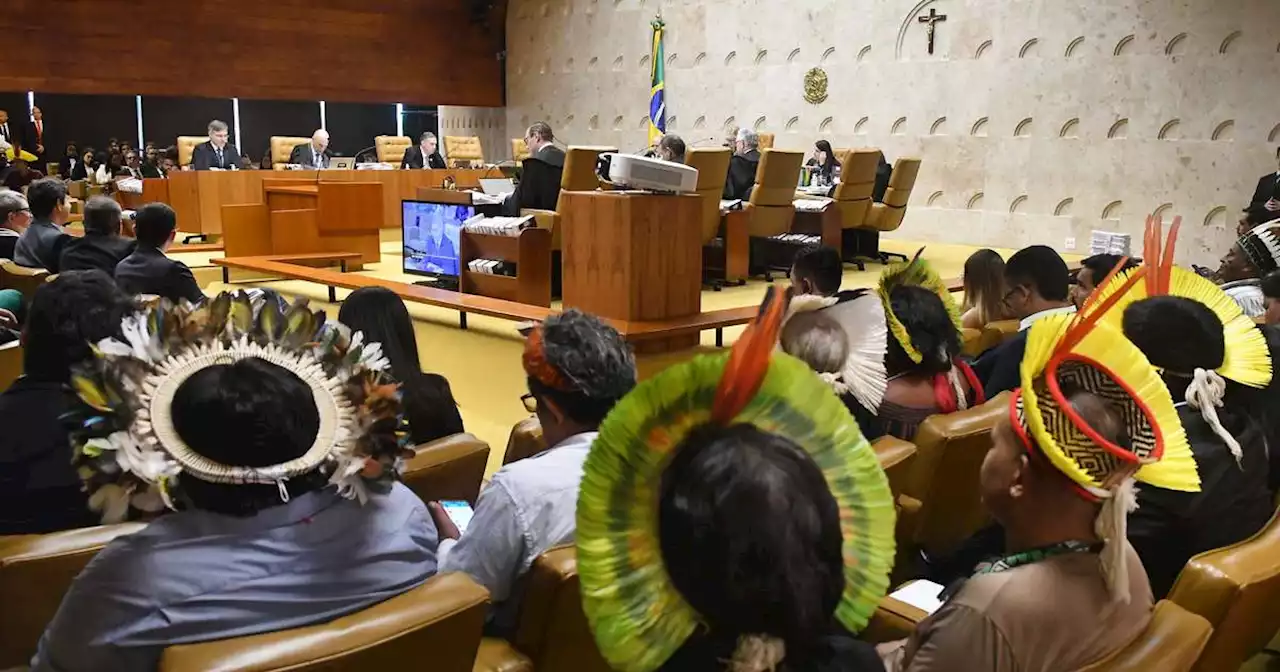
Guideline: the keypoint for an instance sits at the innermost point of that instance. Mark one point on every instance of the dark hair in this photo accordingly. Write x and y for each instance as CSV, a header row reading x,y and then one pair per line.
x,y
673,144
428,400
102,216
1199,341
1040,267
984,284
820,265
831,155
593,358
1099,265
251,413
66,315
45,195
153,224
930,329
750,535
1271,285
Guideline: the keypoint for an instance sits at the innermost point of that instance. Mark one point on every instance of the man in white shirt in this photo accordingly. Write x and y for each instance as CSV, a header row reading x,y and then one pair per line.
x,y
313,154
578,367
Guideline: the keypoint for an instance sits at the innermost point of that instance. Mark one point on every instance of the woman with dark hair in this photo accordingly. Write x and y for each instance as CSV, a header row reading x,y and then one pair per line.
x,y
70,159
823,161
85,168
983,289
428,400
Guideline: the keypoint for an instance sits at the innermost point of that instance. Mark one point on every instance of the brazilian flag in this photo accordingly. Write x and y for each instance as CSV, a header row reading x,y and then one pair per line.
x,y
657,80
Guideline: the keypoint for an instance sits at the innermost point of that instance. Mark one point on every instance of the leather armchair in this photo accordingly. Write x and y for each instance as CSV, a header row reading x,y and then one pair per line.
x,y
448,468
712,164
773,197
519,150
463,151
897,457
1237,589
282,148
857,182
10,364
1171,643
579,175
525,440
24,279
187,146
391,148
887,215
35,572
435,626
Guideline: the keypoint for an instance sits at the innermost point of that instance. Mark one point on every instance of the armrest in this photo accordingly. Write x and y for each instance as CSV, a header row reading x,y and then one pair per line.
x,y
449,468
497,655
893,620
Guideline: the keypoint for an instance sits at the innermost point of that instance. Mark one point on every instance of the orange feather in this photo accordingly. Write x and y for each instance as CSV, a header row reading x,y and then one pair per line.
x,y
749,359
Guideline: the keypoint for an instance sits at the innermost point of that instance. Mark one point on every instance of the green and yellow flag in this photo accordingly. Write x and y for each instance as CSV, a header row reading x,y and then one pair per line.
x,y
657,80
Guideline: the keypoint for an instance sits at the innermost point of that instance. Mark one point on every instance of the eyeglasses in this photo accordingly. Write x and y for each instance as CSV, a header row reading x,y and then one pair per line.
x,y
530,403
1011,292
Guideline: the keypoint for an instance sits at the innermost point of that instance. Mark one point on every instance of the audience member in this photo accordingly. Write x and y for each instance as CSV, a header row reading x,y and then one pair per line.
x,y
113,146
539,186
1036,286
752,528
41,243
132,166
21,175
35,135
1094,270
578,367
428,401
102,246
983,289
69,160
216,153
262,539
148,270
86,168
11,134
425,154
742,167
168,165
151,162
817,270
671,148
112,168
824,163
313,155
39,489
1270,286
1264,206
15,216
1255,254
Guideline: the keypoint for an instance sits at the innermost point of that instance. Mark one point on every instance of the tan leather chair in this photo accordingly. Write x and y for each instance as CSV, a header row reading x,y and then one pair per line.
x,y
35,572
391,148
187,146
1237,589
766,141
519,150
21,278
971,342
1171,643
10,364
853,194
773,196
282,148
995,333
897,457
435,626
448,468
525,440
712,164
552,635
579,175
463,151
949,453
887,215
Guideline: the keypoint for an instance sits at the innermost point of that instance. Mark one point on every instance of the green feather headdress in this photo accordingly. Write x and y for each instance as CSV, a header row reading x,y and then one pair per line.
x,y
920,273
127,451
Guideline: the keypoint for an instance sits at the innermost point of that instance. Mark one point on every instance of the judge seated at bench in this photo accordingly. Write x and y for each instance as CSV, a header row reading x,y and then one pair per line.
x,y
314,154
217,153
539,186
742,167
671,148
413,157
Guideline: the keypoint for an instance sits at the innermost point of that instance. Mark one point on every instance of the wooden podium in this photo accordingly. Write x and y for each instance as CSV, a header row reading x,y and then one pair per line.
x,y
633,258
306,217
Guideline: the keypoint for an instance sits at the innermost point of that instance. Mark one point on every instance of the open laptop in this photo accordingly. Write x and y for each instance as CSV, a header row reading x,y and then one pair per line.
x,y
497,186
342,163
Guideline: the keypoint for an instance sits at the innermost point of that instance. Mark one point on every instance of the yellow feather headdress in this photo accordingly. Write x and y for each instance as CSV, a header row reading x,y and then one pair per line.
x,y
915,272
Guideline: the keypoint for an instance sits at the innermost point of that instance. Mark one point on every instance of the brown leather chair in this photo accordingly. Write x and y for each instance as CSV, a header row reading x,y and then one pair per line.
x,y
391,148
552,635
995,333
1237,589
463,151
853,195
579,175
282,148
712,164
519,150
24,279
949,453
525,440
1171,643
35,572
448,468
10,364
772,205
187,146
898,458
971,342
766,141
887,215
435,626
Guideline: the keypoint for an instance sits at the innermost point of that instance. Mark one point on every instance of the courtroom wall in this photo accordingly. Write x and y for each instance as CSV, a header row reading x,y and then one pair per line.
x,y
386,51
1037,121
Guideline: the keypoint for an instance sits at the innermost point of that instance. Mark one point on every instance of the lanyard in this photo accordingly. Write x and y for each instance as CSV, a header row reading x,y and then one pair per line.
x,y
1027,557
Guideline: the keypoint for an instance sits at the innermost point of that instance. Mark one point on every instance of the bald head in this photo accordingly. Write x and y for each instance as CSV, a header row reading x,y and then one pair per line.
x,y
320,140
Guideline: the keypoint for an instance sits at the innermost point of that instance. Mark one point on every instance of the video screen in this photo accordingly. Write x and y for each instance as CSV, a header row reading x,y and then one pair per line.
x,y
432,233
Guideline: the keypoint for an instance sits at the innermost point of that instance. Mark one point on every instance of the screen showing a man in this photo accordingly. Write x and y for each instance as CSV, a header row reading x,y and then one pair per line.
x,y
431,236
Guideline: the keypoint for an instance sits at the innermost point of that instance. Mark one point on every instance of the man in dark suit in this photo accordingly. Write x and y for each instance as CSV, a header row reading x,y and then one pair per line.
x,y
41,244
743,165
148,270
426,147
1265,204
539,186
102,246
217,153
314,154
12,136
34,136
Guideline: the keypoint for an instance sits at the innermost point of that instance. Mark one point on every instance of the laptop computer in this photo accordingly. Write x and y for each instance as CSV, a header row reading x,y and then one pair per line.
x,y
497,186
342,163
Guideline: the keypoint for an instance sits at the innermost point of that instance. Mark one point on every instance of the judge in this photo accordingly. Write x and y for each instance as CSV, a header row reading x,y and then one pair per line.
x,y
539,186
314,154
217,153
413,157
742,167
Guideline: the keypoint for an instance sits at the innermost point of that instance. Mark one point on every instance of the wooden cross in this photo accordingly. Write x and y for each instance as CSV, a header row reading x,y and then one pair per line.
x,y
933,18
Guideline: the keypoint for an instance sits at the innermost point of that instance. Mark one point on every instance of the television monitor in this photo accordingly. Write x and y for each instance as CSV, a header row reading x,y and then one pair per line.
x,y
432,237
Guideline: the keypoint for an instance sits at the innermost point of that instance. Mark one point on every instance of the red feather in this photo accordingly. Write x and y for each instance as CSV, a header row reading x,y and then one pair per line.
x,y
749,359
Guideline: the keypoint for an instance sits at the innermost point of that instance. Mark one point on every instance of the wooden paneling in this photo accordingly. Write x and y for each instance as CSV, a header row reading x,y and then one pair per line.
x,y
411,51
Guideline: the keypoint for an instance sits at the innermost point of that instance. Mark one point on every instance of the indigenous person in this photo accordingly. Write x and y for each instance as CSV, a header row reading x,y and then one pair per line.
x,y
1255,255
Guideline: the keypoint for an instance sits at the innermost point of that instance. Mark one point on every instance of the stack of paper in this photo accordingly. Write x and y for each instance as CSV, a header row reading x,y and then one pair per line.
x,y
1110,242
798,238
492,267
811,204
732,204
498,226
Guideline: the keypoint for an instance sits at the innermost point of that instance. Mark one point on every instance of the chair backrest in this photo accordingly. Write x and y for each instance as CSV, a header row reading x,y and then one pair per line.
x,y
994,333
857,182
776,178
1237,589
1171,643
712,164
187,146
35,572
282,148
448,468
439,622
766,141
580,169
391,148
553,630
525,440
10,363
897,458
893,209
24,279
519,150
463,149
950,449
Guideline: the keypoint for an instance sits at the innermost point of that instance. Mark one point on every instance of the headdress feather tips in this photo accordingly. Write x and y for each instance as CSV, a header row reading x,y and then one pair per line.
x,y
749,359
920,273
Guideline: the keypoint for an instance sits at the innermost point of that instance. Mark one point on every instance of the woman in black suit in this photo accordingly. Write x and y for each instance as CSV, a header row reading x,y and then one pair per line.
x,y
824,161
69,160
85,167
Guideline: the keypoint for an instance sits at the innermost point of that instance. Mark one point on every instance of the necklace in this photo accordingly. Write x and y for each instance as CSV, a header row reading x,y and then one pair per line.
x,y
1034,555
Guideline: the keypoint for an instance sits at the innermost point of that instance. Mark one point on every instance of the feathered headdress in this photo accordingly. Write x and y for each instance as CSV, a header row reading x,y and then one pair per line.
x,y
1247,360
638,617
1262,246
1081,353
862,320
915,272
128,452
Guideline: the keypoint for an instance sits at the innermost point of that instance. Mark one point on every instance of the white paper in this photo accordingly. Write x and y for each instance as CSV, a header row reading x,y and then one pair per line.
x,y
921,594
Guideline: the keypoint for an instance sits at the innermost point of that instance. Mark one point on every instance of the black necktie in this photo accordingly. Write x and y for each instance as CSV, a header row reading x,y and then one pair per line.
x,y
219,153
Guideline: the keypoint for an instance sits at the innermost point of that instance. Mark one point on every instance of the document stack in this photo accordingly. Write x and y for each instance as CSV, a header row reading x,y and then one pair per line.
x,y
492,267
1108,242
498,226
811,204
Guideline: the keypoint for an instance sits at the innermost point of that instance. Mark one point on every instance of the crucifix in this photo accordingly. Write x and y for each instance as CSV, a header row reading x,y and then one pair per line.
x,y
933,18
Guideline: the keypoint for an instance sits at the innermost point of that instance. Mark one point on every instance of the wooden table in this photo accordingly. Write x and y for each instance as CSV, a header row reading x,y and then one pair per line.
x,y
633,257
300,217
